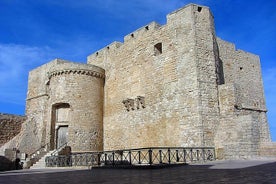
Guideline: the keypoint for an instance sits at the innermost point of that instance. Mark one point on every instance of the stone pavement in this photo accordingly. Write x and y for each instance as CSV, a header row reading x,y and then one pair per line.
x,y
254,171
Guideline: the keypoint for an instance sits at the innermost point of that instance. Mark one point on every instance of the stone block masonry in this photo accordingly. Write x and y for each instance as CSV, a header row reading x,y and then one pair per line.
x,y
10,126
196,88
172,85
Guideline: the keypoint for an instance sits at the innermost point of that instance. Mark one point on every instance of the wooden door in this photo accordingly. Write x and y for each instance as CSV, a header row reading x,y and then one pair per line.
x,y
62,134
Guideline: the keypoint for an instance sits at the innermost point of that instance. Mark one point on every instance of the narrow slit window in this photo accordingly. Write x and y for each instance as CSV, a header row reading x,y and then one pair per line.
x,y
158,49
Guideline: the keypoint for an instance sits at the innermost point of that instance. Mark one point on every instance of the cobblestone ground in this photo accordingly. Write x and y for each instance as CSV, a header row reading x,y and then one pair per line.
x,y
265,173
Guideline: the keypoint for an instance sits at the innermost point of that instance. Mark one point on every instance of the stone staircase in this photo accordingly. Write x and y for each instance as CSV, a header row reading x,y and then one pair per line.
x,y
40,164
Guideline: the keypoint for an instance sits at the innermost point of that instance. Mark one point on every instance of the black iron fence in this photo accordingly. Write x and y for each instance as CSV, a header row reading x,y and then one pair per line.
x,y
133,157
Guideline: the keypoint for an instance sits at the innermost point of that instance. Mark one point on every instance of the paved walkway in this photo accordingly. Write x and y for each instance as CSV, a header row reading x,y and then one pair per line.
x,y
254,171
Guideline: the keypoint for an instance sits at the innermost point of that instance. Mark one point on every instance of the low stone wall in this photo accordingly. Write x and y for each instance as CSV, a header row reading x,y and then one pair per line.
x,y
10,126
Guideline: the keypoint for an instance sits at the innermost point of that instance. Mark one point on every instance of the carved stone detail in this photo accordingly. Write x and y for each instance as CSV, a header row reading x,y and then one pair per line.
x,y
129,104
140,101
76,71
132,104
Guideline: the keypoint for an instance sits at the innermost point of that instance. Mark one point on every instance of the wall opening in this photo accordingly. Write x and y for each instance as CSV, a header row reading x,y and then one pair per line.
x,y
199,9
158,49
61,136
60,117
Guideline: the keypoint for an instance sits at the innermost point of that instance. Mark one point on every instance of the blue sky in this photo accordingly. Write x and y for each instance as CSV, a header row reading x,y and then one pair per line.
x,y
33,32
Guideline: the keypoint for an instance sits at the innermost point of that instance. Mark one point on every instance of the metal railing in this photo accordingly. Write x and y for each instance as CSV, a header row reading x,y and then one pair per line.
x,y
134,157
40,151
37,154
55,152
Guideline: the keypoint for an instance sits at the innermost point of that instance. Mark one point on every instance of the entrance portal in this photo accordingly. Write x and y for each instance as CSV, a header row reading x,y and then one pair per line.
x,y
59,125
62,134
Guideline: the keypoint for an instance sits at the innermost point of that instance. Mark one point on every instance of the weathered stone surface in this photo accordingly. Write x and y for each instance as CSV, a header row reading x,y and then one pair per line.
x,y
10,126
170,85
70,95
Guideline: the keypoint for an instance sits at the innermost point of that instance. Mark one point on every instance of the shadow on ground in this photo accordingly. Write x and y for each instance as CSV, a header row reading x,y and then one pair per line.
x,y
265,173
6,164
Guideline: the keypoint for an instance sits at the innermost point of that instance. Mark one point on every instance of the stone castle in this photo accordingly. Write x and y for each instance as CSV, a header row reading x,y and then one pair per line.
x,y
173,85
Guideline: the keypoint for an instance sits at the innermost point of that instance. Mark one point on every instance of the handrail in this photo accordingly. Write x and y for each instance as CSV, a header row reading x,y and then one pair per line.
x,y
39,149
59,148
143,148
134,157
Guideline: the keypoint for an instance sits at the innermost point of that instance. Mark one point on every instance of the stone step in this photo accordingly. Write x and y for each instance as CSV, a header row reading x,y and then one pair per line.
x,y
41,163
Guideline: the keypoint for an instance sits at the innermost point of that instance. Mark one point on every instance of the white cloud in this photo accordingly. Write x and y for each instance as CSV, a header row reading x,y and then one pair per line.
x,y
15,63
17,60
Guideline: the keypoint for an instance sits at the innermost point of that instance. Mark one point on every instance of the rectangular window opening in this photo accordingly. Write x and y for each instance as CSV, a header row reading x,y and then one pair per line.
x,y
199,9
158,49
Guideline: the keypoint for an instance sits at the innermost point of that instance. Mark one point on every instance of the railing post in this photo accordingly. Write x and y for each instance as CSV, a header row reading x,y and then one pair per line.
x,y
69,161
85,161
169,153
160,156
150,156
75,160
47,162
177,157
122,156
113,158
185,154
214,154
105,158
203,154
129,152
197,155
139,157
191,154
99,159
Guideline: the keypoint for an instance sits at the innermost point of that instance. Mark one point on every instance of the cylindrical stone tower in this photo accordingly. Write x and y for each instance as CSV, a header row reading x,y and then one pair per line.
x,y
76,93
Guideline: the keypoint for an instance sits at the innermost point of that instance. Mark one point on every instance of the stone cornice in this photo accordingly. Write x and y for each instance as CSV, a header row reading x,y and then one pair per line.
x,y
76,71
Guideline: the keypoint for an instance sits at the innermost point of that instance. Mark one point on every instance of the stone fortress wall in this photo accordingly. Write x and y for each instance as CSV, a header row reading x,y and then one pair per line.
x,y
63,94
242,103
69,95
170,85
199,90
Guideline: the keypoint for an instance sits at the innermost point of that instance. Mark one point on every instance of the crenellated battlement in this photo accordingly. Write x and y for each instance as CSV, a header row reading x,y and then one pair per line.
x,y
148,29
143,31
111,47
178,76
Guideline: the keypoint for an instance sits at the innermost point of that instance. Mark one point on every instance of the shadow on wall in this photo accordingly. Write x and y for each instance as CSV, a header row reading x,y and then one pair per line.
x,y
6,164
